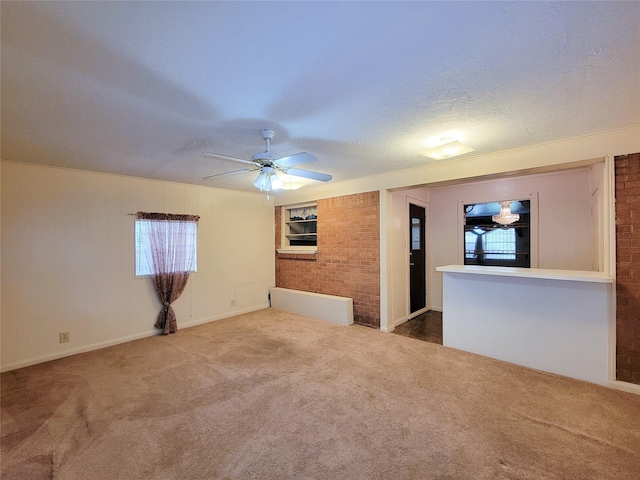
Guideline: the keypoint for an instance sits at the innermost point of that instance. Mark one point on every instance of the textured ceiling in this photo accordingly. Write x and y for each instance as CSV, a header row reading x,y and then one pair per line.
x,y
141,88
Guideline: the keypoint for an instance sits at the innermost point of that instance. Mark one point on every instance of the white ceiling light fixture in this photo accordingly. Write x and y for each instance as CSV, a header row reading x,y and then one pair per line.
x,y
448,148
505,217
267,180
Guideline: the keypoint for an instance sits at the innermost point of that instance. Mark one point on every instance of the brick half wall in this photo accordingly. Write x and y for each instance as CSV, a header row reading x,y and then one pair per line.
x,y
627,188
348,259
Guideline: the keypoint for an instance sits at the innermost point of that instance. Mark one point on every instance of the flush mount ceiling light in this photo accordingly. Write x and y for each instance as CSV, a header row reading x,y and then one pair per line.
x,y
449,148
505,217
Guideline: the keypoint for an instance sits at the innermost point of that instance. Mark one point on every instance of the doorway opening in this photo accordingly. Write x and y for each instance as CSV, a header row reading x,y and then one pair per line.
x,y
417,259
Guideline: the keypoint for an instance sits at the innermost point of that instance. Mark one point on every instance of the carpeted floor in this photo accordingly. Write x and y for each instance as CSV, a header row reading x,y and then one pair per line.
x,y
271,395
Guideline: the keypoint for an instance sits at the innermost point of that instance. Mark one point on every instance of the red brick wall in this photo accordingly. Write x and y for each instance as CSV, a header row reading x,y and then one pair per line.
x,y
348,259
627,177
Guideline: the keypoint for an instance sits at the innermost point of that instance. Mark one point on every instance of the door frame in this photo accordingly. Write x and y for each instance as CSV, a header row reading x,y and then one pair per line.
x,y
425,205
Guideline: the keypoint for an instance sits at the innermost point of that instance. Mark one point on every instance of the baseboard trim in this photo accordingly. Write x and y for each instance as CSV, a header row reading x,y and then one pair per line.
x,y
406,318
395,323
238,311
129,338
624,386
387,329
417,313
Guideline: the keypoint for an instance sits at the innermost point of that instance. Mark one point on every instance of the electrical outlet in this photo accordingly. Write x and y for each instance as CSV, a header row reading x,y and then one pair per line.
x,y
64,337
232,303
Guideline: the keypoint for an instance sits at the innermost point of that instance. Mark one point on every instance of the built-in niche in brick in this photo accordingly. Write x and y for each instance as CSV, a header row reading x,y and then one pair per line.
x,y
627,193
347,262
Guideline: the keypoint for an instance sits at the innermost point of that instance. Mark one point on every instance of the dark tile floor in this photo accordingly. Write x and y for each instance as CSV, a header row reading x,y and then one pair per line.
x,y
427,327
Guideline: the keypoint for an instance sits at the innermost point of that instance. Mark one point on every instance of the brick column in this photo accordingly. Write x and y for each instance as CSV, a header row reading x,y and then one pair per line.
x,y
627,193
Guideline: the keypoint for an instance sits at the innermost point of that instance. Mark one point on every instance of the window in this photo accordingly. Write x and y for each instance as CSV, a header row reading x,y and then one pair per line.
x,y
415,234
490,243
497,244
300,227
187,246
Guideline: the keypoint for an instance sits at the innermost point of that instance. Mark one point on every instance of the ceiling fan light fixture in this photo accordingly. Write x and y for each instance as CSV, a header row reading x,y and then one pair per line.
x,y
276,183
449,149
267,180
262,182
276,173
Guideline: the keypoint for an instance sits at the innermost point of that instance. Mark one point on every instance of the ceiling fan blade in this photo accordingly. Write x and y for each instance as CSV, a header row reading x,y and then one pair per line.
x,y
234,172
323,177
296,159
227,157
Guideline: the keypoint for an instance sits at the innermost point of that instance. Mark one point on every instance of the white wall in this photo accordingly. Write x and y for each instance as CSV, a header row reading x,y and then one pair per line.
x,y
68,258
564,238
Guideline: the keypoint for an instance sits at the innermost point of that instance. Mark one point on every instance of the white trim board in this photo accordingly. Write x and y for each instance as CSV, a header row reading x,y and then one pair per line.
x,y
315,305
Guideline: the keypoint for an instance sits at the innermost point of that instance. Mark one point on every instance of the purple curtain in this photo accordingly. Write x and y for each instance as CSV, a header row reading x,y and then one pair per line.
x,y
171,240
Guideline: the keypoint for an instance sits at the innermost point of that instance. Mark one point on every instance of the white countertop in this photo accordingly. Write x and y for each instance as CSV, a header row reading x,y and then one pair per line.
x,y
544,273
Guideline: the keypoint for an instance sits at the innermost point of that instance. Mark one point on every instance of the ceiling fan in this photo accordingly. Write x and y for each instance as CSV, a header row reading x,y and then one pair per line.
x,y
271,165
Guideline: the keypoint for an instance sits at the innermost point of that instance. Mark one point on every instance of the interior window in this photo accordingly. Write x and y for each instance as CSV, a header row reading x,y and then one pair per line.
x,y
498,233
300,226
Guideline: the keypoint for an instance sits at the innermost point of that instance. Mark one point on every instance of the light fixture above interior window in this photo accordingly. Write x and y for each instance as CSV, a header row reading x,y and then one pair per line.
x,y
505,217
448,148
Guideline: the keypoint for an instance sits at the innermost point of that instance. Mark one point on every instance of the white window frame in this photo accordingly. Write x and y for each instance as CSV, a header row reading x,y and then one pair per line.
x,y
142,247
285,246
533,222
